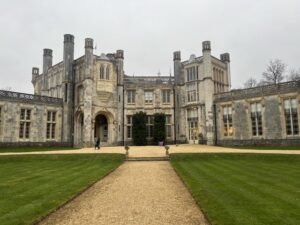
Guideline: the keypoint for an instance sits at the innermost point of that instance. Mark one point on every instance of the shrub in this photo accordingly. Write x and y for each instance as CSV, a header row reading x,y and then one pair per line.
x,y
159,127
139,128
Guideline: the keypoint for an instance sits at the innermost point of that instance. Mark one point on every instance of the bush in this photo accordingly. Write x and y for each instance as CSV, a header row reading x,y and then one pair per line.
x,y
139,128
159,127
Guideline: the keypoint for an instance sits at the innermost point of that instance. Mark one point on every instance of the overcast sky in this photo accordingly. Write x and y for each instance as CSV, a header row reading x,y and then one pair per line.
x,y
253,32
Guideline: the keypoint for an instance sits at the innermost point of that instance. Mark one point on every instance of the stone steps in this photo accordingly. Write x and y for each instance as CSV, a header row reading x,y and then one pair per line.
x,y
162,158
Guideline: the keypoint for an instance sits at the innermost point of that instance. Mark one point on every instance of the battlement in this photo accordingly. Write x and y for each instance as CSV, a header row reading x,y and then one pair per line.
x,y
29,98
267,90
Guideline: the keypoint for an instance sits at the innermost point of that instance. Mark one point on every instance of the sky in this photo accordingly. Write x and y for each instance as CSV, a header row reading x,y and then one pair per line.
x,y
149,31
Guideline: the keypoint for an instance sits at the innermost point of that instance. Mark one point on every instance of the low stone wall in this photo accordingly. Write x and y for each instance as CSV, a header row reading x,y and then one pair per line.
x,y
260,142
34,144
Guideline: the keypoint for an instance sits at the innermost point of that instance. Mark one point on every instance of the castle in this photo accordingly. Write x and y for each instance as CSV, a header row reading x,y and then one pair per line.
x,y
79,99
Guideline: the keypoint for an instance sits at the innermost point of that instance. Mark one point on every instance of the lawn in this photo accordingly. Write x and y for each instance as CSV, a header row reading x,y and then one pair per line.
x,y
243,189
267,147
33,149
32,186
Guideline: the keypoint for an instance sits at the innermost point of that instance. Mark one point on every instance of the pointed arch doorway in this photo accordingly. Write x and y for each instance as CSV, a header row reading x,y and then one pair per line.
x,y
79,134
101,128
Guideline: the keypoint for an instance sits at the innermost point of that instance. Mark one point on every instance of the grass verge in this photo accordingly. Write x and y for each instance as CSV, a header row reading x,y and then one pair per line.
x,y
33,149
235,189
33,186
266,147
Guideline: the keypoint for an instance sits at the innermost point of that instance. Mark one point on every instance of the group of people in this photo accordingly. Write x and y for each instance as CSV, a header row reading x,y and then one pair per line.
x,y
97,143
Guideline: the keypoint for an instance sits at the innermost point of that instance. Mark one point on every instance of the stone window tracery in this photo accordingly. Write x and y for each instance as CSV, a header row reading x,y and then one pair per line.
x,y
107,73
168,126
291,116
102,72
51,124
129,126
256,119
227,121
150,124
25,121
131,96
166,96
148,97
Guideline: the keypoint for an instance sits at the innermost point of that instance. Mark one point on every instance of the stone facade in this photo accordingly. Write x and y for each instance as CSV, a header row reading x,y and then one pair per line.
x,y
91,96
24,119
266,115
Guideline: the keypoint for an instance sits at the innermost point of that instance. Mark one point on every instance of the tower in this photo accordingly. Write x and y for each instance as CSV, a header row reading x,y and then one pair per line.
x,y
225,57
68,85
177,67
208,91
121,97
34,77
47,63
88,92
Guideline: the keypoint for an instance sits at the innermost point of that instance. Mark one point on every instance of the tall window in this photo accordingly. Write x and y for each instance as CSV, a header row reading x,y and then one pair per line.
x,y
191,92
192,73
102,72
107,72
227,121
192,117
0,121
256,119
148,97
51,122
25,117
168,126
150,122
166,96
130,96
291,116
129,126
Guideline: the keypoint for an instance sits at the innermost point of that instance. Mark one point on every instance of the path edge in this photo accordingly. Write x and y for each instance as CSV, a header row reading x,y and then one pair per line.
x,y
40,219
185,185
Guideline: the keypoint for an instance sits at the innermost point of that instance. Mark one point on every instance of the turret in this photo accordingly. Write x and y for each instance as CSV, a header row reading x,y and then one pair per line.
x,y
47,63
225,57
88,58
206,51
35,74
177,67
68,84
120,65
34,77
68,57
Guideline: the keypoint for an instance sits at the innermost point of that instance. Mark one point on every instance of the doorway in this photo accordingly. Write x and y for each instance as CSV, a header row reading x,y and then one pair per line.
x,y
101,128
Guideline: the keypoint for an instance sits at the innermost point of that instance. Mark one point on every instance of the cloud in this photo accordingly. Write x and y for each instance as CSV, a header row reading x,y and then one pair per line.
x,y
149,31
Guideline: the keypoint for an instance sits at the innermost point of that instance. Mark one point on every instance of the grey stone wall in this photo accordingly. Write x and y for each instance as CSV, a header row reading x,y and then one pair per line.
x,y
271,98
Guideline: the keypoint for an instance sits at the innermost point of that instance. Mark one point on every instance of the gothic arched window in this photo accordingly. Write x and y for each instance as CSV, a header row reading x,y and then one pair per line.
x,y
107,72
102,72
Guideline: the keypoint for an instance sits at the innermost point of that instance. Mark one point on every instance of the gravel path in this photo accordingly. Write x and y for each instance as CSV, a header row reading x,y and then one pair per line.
x,y
157,151
137,193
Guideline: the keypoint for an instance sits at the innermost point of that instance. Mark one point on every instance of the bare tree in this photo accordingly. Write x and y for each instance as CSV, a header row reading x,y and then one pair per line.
x,y
294,75
274,73
6,88
251,82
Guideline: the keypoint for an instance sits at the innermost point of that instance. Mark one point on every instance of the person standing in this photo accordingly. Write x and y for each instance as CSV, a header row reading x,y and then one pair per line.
x,y
97,143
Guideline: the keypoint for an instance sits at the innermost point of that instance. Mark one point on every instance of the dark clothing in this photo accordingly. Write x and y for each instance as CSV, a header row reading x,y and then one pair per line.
x,y
97,143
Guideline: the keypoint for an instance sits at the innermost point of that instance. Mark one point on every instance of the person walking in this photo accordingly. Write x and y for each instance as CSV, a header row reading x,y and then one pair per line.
x,y
97,143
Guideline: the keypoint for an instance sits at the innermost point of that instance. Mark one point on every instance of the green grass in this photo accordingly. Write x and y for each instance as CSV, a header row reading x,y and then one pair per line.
x,y
32,186
243,189
267,147
33,149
